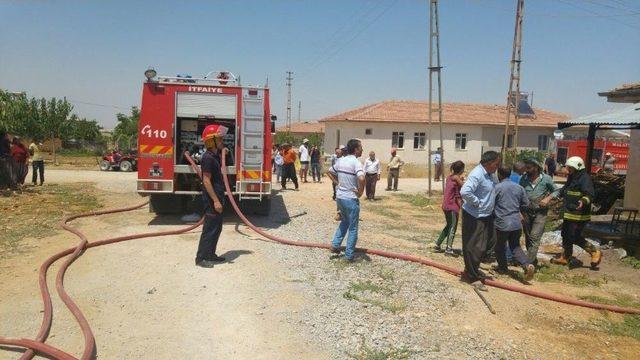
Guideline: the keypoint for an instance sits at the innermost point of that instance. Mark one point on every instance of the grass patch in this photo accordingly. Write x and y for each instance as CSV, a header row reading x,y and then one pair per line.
x,y
419,200
368,353
372,293
619,300
557,273
629,326
340,263
632,261
386,274
360,286
393,307
37,212
383,211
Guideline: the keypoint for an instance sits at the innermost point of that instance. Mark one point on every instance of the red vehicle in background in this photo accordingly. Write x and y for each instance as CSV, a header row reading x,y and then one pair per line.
x,y
618,149
174,112
115,160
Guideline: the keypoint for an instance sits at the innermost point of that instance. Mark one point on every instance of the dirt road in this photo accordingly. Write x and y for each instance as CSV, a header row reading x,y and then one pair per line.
x,y
146,299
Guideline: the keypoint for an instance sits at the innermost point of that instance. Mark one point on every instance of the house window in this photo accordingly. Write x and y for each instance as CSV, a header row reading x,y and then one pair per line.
x,y
461,141
419,140
368,131
397,139
337,137
543,143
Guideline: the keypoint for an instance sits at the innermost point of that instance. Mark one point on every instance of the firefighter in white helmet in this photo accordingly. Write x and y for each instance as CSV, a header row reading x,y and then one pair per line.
x,y
212,196
577,194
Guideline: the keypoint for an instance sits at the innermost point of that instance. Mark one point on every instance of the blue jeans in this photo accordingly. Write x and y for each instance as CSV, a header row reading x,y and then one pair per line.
x,y
350,213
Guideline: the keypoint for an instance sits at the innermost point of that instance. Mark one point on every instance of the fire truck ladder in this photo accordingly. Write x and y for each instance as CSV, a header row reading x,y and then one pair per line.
x,y
252,147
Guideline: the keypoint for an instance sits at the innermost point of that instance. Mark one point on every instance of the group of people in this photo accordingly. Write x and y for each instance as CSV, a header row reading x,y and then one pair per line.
x,y
497,210
14,161
284,158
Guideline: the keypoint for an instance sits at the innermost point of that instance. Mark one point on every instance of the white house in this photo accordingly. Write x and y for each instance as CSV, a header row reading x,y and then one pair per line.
x,y
468,129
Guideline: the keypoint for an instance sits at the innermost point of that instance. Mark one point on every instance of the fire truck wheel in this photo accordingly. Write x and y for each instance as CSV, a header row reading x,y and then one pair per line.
x,y
104,165
256,207
125,166
165,204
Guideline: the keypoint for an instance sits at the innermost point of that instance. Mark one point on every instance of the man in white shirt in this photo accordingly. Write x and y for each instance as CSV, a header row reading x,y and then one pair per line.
x,y
437,164
371,175
348,175
304,160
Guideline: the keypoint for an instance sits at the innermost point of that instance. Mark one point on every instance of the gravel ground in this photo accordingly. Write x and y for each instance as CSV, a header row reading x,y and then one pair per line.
x,y
391,307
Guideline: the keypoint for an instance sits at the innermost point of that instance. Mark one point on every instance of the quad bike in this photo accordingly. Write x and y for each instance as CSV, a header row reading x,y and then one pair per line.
x,y
116,161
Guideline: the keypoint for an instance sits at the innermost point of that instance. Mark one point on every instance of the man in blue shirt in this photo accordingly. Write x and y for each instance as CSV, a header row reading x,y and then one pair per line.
x,y
518,170
478,193
510,200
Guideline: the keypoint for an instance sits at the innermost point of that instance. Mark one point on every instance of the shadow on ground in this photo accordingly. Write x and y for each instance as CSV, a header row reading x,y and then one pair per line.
x,y
278,216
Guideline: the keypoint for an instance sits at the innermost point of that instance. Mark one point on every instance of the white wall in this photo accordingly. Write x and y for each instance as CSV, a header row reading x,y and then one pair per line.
x,y
632,184
479,139
527,137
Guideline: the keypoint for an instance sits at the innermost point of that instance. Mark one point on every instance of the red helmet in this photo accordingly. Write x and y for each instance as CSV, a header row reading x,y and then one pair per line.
x,y
214,130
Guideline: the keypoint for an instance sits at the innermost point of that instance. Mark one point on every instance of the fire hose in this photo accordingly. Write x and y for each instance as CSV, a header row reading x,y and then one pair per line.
x,y
38,345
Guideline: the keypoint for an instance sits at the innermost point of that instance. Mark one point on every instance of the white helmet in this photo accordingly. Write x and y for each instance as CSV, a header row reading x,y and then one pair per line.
x,y
575,162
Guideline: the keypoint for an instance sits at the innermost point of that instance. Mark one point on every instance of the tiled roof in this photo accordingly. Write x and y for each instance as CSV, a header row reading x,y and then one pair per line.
x,y
453,113
303,127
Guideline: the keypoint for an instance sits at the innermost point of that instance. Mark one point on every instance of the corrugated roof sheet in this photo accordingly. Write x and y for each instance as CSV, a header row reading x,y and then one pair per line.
x,y
453,113
629,115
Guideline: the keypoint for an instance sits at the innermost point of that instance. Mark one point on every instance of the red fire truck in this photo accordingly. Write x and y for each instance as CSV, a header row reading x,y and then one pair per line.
x,y
618,149
175,110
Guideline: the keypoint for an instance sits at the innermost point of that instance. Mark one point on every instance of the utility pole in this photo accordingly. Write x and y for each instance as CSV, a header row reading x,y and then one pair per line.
x,y
513,97
289,79
434,71
299,109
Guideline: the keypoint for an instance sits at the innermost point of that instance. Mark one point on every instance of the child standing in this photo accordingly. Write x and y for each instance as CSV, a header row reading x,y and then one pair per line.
x,y
510,200
451,203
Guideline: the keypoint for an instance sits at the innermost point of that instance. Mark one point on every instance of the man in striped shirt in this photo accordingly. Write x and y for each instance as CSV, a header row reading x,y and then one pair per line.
x,y
348,175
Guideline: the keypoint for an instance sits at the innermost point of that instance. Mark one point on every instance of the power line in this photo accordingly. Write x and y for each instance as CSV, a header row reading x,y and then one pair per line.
x,y
96,104
563,15
359,15
598,14
360,31
334,40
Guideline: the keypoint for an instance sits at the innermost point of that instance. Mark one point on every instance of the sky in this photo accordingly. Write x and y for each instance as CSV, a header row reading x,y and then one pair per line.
x,y
343,54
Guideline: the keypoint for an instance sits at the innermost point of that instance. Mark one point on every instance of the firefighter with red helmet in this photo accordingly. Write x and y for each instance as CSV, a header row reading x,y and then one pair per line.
x,y
577,194
212,196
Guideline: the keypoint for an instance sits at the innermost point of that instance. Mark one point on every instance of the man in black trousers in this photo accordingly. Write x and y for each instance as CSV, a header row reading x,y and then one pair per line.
x,y
478,193
212,196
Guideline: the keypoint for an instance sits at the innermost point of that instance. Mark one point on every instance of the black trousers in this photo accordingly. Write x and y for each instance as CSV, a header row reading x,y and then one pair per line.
x,y
476,234
289,172
513,239
572,234
211,230
37,166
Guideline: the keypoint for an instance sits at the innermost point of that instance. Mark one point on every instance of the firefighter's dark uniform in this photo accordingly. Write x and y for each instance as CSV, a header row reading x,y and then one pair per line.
x,y
212,227
579,187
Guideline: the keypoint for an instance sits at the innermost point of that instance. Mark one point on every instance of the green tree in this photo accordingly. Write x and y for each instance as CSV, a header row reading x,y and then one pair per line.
x,y
126,131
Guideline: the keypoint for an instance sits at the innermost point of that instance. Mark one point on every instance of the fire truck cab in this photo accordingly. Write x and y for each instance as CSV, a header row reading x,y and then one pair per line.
x,y
174,112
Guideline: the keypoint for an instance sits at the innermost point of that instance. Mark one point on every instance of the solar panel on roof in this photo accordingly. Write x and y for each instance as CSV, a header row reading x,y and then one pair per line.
x,y
524,109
